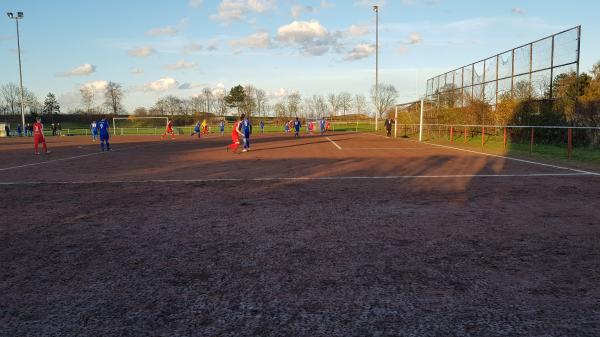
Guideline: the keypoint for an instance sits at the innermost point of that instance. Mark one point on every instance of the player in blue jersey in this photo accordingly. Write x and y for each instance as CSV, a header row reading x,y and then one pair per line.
x,y
247,131
222,127
196,130
297,126
262,126
94,127
103,130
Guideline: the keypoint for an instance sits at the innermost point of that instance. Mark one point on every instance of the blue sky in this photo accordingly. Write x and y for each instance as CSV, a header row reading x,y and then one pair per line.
x,y
157,48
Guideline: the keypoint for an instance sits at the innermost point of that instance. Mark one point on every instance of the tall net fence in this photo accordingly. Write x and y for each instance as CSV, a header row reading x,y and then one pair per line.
x,y
513,87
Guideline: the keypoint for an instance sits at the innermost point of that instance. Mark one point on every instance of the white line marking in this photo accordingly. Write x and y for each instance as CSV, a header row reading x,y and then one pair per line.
x,y
499,156
334,143
389,148
71,158
213,180
515,159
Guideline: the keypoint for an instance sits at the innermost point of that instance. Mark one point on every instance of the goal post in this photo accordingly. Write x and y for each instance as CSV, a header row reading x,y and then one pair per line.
x,y
133,124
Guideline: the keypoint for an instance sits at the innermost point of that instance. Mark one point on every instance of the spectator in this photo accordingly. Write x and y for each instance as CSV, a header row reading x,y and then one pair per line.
x,y
19,130
388,126
53,129
7,130
59,129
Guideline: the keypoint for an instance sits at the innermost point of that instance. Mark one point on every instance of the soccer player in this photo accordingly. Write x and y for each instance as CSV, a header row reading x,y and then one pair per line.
x,y
204,127
246,129
222,127
297,126
286,127
196,130
38,136
103,127
169,130
235,135
94,128
262,126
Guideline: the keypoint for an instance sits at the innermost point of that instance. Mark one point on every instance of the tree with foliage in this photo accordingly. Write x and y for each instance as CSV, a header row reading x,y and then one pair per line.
x,y
113,97
51,106
236,98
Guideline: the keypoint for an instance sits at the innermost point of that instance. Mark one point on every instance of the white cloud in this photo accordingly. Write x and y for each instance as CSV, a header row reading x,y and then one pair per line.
x,y
83,70
213,45
195,3
310,36
99,85
191,48
137,71
361,51
180,65
301,31
219,89
238,10
325,4
282,92
415,38
189,86
259,40
358,30
517,10
141,51
297,10
168,30
162,84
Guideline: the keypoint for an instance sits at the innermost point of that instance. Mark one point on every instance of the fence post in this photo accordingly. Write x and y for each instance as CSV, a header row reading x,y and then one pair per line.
x,y
421,123
531,144
451,134
396,123
570,143
482,136
465,135
504,138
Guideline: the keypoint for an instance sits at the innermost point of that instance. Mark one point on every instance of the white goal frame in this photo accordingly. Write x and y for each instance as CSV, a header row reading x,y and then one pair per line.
x,y
135,117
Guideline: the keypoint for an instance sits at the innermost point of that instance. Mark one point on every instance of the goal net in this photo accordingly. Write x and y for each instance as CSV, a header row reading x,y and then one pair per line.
x,y
134,125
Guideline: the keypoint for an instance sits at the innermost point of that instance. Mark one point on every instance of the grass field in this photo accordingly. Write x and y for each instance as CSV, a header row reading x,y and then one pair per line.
x,y
347,234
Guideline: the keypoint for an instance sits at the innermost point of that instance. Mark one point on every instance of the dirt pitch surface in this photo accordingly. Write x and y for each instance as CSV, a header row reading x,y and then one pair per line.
x,y
337,235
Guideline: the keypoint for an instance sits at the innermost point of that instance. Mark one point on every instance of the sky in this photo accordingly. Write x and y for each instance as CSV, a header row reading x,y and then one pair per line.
x,y
179,47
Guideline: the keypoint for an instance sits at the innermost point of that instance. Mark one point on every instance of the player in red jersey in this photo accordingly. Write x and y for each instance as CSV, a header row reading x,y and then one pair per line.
x,y
169,130
235,135
38,135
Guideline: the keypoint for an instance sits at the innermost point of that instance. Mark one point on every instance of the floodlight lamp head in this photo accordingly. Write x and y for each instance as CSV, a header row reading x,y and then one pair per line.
x,y
9,14
376,8
20,15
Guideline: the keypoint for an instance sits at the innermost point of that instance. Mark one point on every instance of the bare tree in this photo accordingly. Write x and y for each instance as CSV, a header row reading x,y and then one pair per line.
x,y
345,102
208,99
198,103
293,103
320,105
220,102
11,94
140,111
113,97
280,109
360,104
260,97
387,98
87,98
249,103
334,104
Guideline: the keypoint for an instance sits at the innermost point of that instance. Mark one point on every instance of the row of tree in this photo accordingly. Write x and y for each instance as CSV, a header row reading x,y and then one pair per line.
x,y
254,101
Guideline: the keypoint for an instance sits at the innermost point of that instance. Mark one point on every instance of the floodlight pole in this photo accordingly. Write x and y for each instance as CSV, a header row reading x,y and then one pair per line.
x,y
421,123
18,17
376,9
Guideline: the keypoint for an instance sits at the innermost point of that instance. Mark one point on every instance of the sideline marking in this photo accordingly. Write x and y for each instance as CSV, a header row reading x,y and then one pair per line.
x,y
334,143
74,157
213,180
500,156
516,159
389,148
